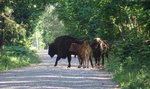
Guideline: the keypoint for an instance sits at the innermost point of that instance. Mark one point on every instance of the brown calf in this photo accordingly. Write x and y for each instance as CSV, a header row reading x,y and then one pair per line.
x,y
83,51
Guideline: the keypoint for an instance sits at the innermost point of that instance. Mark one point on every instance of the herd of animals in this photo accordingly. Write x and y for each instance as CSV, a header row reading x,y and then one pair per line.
x,y
65,46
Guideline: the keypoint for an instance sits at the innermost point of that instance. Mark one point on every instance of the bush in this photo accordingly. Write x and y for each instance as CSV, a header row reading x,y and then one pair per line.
x,y
16,56
130,64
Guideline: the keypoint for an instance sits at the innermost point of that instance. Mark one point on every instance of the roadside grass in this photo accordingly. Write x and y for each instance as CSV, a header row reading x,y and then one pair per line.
x,y
17,56
129,74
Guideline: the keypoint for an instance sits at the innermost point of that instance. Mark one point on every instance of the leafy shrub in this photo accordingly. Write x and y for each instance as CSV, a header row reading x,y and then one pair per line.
x,y
130,64
16,56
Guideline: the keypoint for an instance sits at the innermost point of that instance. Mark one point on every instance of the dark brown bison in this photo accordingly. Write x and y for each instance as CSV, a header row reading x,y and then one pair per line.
x,y
83,52
61,46
100,50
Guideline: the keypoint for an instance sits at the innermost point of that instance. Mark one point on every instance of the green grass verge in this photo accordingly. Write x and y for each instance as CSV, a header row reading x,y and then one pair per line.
x,y
17,56
130,74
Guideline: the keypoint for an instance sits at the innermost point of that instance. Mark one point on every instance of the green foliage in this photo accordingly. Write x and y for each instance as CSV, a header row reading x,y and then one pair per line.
x,y
16,56
129,62
11,31
130,76
78,17
49,25
109,19
123,23
20,18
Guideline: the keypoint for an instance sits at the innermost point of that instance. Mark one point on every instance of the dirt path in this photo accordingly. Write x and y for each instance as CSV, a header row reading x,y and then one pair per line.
x,y
46,76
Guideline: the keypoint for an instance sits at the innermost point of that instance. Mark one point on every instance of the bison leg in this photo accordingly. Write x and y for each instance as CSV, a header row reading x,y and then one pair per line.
x,y
95,61
98,62
69,61
80,63
57,59
87,63
84,63
91,61
103,60
79,60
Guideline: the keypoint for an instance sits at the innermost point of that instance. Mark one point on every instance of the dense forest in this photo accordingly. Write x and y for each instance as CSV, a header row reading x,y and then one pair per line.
x,y
124,24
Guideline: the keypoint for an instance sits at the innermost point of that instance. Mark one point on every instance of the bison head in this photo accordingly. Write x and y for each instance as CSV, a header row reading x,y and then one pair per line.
x,y
51,50
96,43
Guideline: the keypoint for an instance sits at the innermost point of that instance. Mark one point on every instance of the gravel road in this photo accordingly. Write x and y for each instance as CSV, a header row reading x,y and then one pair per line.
x,y
45,76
